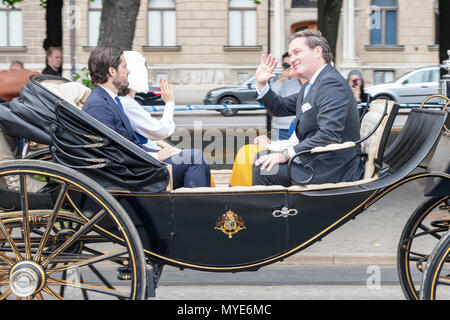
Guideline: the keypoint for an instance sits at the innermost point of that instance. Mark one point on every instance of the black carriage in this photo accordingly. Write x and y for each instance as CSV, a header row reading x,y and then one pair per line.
x,y
107,205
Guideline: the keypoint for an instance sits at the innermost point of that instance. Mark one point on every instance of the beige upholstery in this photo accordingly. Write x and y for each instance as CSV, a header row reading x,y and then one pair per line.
x,y
308,187
372,144
333,147
73,92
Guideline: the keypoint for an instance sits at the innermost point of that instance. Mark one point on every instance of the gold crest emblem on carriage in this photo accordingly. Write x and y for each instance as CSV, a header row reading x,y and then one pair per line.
x,y
230,223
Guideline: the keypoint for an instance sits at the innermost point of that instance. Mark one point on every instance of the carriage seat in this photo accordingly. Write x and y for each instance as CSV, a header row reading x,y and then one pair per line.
x,y
373,147
76,94
73,92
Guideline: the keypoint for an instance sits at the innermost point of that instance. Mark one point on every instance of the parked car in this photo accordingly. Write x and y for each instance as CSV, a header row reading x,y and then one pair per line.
x,y
244,93
412,87
150,98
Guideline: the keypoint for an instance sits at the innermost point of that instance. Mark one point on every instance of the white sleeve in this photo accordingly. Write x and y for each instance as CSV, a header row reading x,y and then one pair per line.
x,y
147,126
280,145
263,91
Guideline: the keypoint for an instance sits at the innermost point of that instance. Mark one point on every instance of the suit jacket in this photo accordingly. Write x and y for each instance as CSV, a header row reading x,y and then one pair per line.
x,y
102,107
328,114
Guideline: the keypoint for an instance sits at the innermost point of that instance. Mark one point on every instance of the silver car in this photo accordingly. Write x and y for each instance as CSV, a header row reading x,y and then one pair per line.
x,y
412,87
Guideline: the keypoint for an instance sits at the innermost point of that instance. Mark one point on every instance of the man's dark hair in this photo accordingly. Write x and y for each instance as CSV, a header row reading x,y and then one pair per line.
x,y
100,60
123,91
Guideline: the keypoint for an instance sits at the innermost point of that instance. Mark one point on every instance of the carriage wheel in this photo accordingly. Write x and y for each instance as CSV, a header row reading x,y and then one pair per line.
x,y
70,240
421,233
436,279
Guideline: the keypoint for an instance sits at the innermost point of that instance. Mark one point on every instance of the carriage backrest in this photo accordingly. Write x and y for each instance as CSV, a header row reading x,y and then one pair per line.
x,y
420,132
79,141
375,144
73,92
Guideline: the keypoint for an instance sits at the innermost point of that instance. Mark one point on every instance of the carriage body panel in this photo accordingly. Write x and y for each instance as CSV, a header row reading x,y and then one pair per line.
x,y
235,231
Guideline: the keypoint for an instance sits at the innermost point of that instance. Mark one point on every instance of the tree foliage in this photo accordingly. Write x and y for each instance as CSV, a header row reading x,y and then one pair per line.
x,y
11,3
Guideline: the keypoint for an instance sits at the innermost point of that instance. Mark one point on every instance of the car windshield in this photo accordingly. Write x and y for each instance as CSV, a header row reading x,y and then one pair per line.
x,y
252,80
421,75
248,81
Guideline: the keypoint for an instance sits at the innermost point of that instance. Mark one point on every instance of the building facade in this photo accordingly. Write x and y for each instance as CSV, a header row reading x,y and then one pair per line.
x,y
218,42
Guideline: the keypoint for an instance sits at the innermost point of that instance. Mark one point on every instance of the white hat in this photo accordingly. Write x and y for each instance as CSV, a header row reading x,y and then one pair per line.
x,y
138,77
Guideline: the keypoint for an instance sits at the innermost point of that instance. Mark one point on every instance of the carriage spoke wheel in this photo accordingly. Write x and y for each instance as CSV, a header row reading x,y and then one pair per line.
x,y
70,240
436,279
426,226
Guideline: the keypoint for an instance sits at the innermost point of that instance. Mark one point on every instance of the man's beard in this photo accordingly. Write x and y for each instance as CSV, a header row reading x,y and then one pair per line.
x,y
120,84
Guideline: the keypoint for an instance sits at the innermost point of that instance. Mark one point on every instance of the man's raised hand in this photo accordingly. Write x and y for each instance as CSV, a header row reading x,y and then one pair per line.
x,y
264,72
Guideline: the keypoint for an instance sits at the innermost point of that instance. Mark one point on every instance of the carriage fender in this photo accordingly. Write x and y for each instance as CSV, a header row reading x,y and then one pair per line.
x,y
438,176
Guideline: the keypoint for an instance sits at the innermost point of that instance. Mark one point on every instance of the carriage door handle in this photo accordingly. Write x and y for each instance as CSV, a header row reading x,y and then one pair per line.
x,y
284,212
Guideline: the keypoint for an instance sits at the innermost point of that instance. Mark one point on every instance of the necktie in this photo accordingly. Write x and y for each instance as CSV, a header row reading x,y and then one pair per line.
x,y
141,139
305,93
119,104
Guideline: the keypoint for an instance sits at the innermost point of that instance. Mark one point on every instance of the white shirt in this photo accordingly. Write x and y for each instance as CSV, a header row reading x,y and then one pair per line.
x,y
143,123
112,94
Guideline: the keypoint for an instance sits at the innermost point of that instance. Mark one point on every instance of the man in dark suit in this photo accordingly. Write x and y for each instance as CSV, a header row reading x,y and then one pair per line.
x,y
326,113
108,71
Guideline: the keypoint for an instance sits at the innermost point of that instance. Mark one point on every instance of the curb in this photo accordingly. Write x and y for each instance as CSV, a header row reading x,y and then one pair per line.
x,y
312,259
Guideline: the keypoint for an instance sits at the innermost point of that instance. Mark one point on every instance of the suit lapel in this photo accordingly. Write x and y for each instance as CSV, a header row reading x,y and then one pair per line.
x,y
324,71
299,108
311,91
115,108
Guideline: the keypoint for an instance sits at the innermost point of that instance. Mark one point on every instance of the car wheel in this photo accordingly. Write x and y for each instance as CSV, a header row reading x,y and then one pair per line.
x,y
228,101
389,98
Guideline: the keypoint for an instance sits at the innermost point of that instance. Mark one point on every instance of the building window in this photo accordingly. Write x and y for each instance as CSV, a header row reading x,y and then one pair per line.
x,y
242,23
95,12
162,23
304,3
10,26
383,22
383,76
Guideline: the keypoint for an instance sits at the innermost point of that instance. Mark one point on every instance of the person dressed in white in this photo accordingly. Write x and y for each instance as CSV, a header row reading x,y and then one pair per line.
x,y
149,128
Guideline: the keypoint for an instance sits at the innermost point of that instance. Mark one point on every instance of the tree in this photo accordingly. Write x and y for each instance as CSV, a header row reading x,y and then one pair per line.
x,y
328,21
118,23
444,26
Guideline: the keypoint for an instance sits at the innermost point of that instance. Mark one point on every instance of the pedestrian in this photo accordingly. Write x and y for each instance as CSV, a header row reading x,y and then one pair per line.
x,y
286,84
356,82
53,61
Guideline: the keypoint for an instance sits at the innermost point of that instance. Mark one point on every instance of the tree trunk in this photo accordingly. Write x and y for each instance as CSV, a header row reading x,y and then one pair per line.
x,y
443,27
328,21
118,23
53,18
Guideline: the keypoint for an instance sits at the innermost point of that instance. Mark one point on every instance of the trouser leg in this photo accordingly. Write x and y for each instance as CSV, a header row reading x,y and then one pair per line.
x,y
279,174
189,169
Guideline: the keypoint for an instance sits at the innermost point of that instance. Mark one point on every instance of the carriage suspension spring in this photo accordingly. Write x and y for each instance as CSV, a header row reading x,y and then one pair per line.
x,y
124,273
